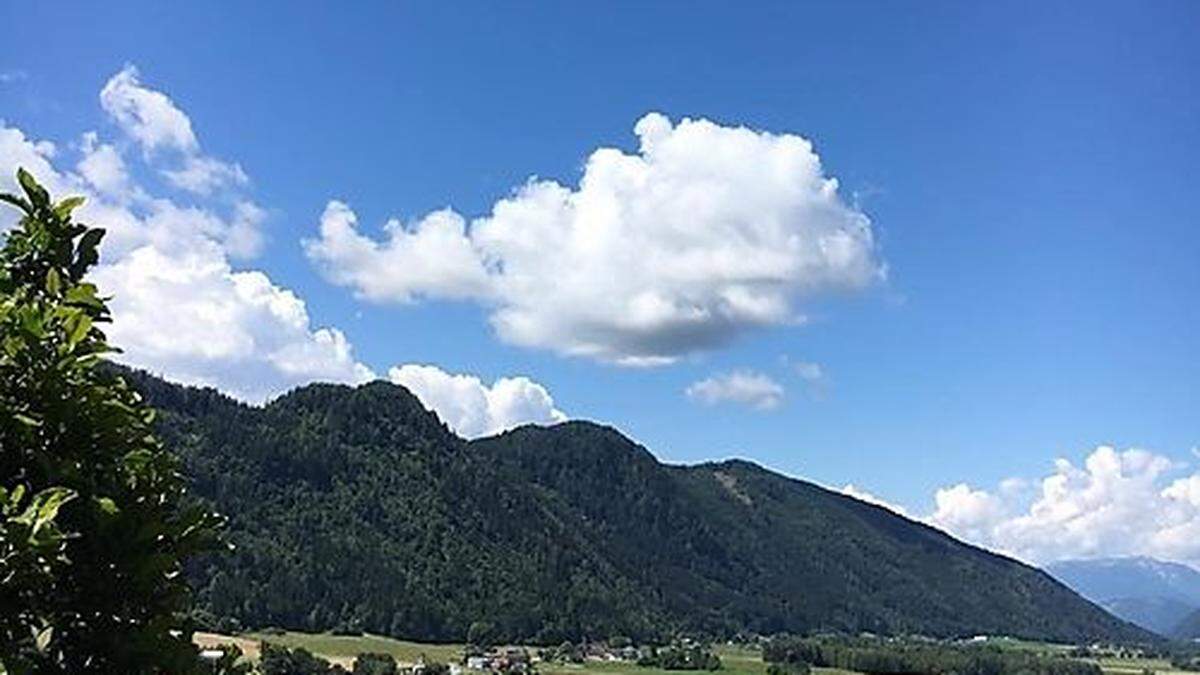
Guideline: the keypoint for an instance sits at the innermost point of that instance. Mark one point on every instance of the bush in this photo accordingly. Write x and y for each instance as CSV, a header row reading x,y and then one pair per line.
x,y
94,527
277,660
375,664
481,634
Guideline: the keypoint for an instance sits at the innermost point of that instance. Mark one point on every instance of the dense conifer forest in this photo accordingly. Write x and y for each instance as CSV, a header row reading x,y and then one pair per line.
x,y
355,509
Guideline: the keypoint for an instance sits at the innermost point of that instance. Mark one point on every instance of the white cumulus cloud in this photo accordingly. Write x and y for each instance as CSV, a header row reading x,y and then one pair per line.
x,y
705,232
741,386
191,316
152,120
148,116
852,490
103,167
1130,502
180,307
429,254
474,409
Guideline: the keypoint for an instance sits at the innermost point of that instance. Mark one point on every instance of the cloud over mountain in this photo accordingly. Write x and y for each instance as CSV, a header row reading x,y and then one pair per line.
x,y
1130,502
182,308
473,409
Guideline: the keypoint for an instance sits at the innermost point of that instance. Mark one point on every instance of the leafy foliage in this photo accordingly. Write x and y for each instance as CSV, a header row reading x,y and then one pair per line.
x,y
277,660
94,526
375,664
481,634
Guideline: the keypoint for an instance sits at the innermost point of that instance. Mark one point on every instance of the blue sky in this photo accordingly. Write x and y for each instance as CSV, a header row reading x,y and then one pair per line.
x,y
1028,170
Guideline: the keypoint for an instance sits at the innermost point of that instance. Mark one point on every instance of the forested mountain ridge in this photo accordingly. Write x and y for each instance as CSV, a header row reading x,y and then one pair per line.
x,y
357,509
735,545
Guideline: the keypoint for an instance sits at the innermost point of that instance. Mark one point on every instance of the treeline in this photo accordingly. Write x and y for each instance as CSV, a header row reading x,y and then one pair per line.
x,y
878,656
278,660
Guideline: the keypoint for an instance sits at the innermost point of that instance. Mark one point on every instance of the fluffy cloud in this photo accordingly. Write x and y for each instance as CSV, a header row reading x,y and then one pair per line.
x,y
191,316
431,254
474,409
152,120
851,490
180,307
706,232
1130,502
147,116
103,167
969,513
744,387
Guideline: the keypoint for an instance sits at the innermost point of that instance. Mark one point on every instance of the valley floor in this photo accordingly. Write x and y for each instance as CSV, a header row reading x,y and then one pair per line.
x,y
735,660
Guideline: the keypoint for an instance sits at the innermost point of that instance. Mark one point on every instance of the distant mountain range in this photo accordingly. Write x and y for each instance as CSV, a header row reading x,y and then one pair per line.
x,y
1161,596
357,509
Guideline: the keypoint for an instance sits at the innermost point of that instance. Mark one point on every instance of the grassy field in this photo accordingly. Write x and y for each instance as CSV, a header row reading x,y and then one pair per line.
x,y
735,660
1136,666
341,647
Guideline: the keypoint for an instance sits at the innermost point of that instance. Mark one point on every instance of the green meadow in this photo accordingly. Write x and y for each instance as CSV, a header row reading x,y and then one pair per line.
x,y
735,659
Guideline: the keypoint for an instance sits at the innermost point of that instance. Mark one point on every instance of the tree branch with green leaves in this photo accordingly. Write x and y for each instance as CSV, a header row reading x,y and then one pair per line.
x,y
95,522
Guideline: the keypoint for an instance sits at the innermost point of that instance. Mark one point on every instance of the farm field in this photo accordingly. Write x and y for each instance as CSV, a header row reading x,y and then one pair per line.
x,y
735,660
341,647
1137,666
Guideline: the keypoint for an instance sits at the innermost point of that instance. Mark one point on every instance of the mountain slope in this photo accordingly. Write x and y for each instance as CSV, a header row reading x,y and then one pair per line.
x,y
734,545
1151,593
1188,628
355,508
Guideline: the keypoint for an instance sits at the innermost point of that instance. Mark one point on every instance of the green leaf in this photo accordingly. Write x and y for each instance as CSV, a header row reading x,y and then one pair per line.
x,y
32,323
16,201
36,193
17,495
53,282
48,502
84,294
87,253
66,206
43,638
78,328
107,505
90,240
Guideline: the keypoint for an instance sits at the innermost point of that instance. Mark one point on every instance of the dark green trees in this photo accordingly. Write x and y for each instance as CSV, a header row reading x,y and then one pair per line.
x,y
93,527
481,634
282,661
375,664
788,655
